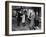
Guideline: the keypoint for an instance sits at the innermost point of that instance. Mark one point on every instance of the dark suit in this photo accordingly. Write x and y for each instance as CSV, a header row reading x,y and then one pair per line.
x,y
19,18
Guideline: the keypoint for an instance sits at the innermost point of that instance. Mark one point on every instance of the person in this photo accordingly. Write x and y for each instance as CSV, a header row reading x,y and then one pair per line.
x,y
19,19
31,16
24,17
36,21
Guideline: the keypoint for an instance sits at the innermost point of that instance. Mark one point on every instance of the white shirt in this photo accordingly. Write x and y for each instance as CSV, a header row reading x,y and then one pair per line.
x,y
23,18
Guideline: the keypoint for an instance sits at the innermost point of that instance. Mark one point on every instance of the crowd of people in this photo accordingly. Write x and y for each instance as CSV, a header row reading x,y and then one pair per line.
x,y
27,17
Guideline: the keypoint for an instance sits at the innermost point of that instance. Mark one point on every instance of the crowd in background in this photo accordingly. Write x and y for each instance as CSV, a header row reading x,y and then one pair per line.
x,y
27,17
